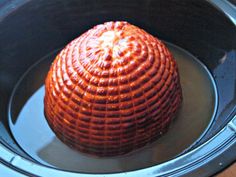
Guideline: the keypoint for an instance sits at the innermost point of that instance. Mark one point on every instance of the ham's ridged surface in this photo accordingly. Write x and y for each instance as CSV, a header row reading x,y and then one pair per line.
x,y
112,90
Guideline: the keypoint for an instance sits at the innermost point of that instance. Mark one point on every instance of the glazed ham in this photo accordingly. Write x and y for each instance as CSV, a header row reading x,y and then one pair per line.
x,y
113,89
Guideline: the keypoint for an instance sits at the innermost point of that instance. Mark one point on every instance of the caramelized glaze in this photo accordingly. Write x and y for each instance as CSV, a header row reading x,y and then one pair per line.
x,y
112,90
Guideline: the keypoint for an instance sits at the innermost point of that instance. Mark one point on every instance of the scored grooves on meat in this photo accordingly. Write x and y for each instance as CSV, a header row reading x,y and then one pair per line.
x,y
112,90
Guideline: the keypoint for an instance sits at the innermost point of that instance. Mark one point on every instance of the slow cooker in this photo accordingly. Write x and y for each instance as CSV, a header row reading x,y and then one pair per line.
x,y
201,143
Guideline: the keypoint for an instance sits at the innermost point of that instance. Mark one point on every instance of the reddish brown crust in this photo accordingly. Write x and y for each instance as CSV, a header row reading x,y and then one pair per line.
x,y
111,90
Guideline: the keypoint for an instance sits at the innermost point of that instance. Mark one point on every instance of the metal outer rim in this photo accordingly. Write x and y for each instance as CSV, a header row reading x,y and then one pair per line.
x,y
225,7
184,164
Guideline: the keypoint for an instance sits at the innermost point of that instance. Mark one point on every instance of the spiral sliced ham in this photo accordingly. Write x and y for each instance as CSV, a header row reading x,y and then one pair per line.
x,y
113,89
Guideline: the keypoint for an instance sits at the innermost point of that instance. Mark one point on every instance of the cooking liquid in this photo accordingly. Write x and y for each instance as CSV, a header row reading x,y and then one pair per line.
x,y
31,131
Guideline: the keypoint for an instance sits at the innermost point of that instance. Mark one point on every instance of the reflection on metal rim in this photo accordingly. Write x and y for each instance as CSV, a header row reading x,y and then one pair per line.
x,y
179,166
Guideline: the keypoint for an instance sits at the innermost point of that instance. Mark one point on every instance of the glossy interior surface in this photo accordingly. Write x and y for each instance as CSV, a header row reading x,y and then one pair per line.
x,y
36,28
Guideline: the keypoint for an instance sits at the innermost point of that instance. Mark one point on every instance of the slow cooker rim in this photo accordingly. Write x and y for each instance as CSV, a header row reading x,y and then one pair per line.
x,y
180,165
225,7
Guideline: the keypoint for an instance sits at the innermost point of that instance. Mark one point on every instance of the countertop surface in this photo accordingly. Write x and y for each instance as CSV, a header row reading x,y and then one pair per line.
x,y
229,172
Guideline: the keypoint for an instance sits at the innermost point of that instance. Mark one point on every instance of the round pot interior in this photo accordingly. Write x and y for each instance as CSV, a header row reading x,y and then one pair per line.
x,y
34,29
